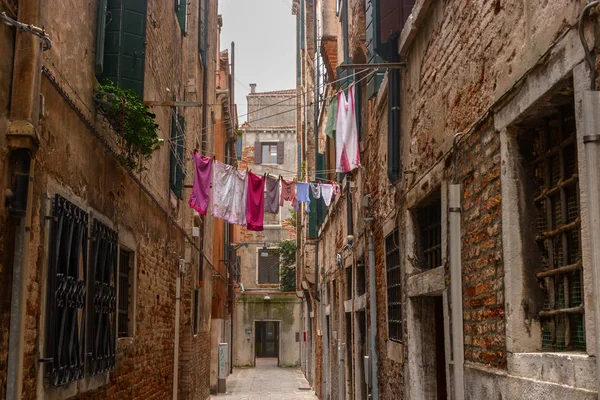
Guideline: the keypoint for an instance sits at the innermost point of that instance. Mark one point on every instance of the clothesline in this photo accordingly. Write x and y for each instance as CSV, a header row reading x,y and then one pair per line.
x,y
367,75
238,197
347,151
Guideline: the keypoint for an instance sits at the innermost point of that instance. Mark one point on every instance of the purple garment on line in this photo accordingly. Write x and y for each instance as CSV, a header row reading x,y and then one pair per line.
x,y
201,190
255,202
272,196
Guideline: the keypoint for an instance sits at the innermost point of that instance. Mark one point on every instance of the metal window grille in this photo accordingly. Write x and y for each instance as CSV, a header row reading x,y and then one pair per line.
x,y
124,290
65,346
430,229
394,285
268,267
557,200
103,274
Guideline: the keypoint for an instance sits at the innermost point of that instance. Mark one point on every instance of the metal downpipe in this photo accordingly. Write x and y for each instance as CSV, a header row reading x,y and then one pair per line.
x,y
591,140
456,293
373,306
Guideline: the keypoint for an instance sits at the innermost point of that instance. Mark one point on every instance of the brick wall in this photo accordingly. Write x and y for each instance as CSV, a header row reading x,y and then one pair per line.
x,y
478,169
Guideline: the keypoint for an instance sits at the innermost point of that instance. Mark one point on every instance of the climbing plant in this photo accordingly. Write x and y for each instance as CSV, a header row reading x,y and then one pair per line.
x,y
136,126
287,274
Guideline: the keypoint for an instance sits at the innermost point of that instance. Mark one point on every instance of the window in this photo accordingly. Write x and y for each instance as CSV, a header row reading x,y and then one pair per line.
x,y
268,266
125,279
269,152
177,151
120,43
349,283
182,18
394,285
66,293
361,277
556,198
102,293
430,234
203,31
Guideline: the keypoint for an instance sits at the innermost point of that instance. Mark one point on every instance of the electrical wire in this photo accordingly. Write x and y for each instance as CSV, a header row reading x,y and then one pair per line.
x,y
588,54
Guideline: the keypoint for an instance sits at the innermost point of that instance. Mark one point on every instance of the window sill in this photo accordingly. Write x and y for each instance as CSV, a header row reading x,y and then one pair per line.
x,y
573,369
395,351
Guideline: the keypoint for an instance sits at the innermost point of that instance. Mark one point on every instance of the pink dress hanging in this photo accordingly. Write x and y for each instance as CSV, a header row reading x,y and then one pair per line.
x,y
255,202
200,196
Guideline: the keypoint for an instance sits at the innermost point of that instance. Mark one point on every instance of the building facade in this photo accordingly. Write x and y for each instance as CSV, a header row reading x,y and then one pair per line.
x,y
459,256
267,312
106,279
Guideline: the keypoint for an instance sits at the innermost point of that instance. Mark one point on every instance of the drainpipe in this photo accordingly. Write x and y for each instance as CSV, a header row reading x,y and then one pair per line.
x,y
456,292
22,140
21,204
373,306
591,123
180,272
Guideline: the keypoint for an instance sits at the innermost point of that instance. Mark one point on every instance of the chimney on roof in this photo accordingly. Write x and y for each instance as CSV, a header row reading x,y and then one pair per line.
x,y
253,88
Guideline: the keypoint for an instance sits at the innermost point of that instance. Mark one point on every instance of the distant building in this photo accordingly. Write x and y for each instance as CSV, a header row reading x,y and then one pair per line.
x,y
267,320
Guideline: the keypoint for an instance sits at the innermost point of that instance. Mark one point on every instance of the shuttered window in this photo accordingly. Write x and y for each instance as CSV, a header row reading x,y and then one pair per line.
x,y
203,32
269,153
371,23
391,15
120,44
181,10
177,151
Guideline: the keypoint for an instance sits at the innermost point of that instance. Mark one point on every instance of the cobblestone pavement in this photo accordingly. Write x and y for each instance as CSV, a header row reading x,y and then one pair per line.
x,y
267,382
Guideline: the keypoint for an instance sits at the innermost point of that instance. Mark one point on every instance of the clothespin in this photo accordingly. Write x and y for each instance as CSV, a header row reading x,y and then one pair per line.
x,y
280,178
214,158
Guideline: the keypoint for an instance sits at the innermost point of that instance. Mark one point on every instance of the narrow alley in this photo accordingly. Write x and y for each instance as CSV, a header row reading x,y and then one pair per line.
x,y
299,199
267,382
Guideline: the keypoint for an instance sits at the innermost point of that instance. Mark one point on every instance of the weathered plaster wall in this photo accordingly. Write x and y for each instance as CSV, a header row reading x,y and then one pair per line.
x,y
281,307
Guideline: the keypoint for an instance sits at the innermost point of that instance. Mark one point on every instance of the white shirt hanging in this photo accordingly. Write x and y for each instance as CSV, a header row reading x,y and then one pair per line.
x,y
347,154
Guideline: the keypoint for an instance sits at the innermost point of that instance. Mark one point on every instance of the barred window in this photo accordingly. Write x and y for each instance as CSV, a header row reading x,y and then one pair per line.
x,y
556,181
66,293
394,285
124,322
430,233
102,293
268,266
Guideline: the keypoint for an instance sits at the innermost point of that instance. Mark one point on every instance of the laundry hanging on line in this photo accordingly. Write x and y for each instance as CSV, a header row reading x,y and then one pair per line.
x,y
242,198
200,196
347,153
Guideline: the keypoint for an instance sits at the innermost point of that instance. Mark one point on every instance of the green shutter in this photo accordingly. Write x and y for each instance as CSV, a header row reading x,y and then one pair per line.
x,y
203,32
312,221
177,153
124,45
320,161
100,36
375,80
182,14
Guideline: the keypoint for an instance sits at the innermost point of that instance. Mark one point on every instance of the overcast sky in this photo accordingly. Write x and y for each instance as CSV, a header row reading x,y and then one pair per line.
x,y
264,32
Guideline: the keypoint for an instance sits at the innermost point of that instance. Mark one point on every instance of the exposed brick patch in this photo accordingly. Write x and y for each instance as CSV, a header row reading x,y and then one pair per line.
x,y
483,288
